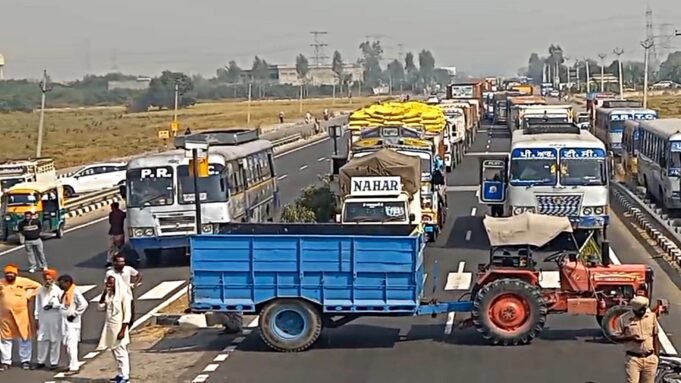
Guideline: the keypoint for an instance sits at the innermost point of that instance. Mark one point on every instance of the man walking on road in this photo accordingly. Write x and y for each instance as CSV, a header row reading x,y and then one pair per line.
x,y
640,336
30,228
116,232
48,320
15,320
73,306
116,332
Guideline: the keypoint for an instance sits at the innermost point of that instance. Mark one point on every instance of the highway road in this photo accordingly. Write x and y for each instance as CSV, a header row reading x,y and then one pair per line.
x,y
81,253
397,350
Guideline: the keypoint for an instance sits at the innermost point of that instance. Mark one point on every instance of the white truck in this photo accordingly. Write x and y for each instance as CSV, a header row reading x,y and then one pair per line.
x,y
545,113
455,139
383,187
17,171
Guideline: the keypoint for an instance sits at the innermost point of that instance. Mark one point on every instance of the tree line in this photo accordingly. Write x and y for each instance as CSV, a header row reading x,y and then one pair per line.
x,y
232,81
556,66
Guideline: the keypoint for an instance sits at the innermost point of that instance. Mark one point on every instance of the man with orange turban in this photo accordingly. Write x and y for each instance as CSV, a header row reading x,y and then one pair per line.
x,y
48,320
15,320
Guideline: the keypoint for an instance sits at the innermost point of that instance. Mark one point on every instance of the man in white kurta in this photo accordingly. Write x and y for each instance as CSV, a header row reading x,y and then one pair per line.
x,y
116,332
48,320
73,306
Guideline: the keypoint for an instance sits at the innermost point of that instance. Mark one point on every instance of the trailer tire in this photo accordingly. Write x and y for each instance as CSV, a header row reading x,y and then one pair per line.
x,y
509,312
610,320
290,325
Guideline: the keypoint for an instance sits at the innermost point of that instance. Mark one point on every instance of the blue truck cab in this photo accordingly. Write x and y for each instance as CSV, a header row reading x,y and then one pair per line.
x,y
299,277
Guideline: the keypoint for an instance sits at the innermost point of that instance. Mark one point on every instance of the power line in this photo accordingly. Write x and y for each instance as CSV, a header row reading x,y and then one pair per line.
x,y
318,46
650,35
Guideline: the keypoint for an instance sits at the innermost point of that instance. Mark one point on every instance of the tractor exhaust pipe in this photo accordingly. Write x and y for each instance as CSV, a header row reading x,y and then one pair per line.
x,y
605,252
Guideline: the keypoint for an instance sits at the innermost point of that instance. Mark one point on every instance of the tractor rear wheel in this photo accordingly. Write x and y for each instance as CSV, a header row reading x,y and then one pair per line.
x,y
509,312
610,321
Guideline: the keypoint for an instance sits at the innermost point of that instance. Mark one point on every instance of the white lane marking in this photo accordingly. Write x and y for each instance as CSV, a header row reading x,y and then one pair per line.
x,y
317,142
477,192
303,167
238,340
254,322
91,355
201,378
221,358
460,280
425,278
282,177
468,235
320,159
229,349
161,290
549,279
96,299
462,265
665,342
211,367
450,323
473,211
486,153
85,288
158,308
470,188
246,331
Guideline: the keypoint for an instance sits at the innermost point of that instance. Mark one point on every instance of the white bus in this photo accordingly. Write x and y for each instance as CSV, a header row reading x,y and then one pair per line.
x,y
241,187
561,174
659,160
609,124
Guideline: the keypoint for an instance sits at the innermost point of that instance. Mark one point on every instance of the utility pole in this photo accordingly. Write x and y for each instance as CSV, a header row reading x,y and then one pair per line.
x,y
44,88
567,77
248,107
647,45
579,82
318,46
602,56
588,76
618,52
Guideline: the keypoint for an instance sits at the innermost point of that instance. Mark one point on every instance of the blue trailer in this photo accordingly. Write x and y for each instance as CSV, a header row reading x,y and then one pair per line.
x,y
301,278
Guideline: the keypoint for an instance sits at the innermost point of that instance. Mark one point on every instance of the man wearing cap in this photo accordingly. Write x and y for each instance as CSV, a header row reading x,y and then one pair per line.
x,y
15,321
48,320
640,336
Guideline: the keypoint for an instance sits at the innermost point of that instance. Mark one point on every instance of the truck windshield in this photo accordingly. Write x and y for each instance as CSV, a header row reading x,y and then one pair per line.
x,y
211,189
18,199
526,172
426,164
151,186
9,182
674,164
583,172
357,211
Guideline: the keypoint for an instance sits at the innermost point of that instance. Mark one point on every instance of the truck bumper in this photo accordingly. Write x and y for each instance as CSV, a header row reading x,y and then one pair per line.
x,y
159,243
590,222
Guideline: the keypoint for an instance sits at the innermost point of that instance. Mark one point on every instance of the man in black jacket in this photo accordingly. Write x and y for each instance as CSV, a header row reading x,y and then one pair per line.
x,y
30,228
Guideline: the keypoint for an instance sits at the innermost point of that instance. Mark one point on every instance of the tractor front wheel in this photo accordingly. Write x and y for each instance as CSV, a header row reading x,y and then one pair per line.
x,y
509,312
610,322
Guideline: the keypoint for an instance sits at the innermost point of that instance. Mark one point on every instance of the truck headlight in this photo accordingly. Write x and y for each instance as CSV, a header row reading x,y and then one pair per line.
x,y
148,231
8,218
141,232
517,210
599,210
207,228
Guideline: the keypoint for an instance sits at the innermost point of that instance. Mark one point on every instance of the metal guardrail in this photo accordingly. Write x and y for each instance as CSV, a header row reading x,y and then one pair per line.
x,y
658,225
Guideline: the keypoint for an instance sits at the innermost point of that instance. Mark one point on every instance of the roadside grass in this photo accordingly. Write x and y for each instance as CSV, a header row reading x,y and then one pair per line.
x,y
78,136
667,106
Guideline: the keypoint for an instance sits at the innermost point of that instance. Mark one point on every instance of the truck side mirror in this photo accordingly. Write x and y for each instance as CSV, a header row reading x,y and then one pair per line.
x,y
412,218
338,218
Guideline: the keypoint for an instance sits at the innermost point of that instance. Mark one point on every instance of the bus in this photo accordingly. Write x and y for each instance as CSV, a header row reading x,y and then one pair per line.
x,y
659,160
562,173
609,124
241,186
630,148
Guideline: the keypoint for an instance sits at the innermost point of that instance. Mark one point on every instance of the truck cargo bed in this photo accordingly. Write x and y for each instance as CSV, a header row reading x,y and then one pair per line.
x,y
378,271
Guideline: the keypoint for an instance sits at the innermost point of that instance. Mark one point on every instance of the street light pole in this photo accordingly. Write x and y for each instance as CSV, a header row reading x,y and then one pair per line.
x,y
43,89
647,44
602,56
618,52
588,76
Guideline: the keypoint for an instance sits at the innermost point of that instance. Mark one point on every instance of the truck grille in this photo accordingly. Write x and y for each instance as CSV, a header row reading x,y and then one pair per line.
x,y
177,225
559,205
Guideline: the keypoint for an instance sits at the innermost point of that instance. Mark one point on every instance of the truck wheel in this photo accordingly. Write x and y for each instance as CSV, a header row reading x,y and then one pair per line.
x,y
60,232
448,169
5,235
290,325
610,321
509,312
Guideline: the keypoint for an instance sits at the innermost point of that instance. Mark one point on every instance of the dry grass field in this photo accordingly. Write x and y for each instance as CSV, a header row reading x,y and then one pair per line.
x,y
78,136
667,106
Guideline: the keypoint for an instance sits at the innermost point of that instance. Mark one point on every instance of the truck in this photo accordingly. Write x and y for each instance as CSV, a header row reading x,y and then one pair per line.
x,y
466,89
514,106
456,139
303,278
17,171
383,187
545,113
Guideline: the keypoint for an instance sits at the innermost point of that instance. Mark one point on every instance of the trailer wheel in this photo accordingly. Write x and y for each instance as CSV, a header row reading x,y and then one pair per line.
x,y
509,312
289,325
610,321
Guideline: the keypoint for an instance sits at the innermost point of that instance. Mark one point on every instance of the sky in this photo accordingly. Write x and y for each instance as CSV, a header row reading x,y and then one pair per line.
x,y
71,38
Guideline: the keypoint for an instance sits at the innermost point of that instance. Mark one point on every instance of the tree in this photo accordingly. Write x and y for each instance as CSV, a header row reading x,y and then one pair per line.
x,y
372,53
316,204
426,66
337,68
161,92
231,73
555,60
411,69
395,73
670,69
535,68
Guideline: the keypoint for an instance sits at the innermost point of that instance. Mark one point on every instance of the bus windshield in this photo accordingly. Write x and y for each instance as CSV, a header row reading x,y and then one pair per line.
x,y
151,186
583,172
540,172
675,164
357,211
211,189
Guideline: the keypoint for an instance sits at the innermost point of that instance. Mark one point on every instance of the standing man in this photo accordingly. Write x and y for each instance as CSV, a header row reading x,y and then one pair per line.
x,y
73,305
116,231
115,334
30,228
48,320
640,336
131,277
15,320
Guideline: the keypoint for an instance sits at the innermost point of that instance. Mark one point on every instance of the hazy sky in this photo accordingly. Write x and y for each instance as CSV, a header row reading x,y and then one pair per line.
x,y
74,37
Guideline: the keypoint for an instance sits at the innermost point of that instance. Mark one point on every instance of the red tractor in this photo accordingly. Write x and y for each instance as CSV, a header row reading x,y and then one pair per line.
x,y
509,305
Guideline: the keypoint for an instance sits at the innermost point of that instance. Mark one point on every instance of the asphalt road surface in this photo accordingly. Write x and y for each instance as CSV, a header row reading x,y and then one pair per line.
x,y
423,349
81,253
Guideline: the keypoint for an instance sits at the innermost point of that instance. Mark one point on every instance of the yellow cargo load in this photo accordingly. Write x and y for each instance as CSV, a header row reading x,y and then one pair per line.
x,y
412,113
